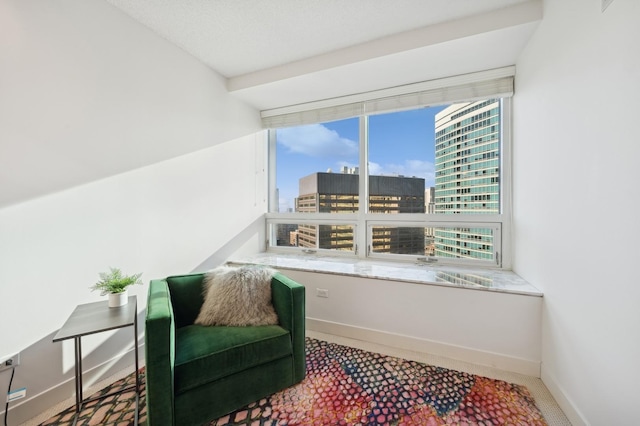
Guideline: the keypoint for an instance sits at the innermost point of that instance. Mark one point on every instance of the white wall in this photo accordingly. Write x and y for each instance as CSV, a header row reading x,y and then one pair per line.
x,y
486,328
87,93
86,96
576,225
159,220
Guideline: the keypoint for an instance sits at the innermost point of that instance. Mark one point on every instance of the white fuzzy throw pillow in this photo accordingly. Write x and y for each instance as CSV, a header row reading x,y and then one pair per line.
x,y
237,297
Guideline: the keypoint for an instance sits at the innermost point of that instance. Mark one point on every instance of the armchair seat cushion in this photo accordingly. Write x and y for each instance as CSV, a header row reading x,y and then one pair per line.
x,y
206,354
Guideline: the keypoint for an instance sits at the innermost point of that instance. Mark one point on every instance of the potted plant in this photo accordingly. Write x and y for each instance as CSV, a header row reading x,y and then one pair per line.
x,y
115,283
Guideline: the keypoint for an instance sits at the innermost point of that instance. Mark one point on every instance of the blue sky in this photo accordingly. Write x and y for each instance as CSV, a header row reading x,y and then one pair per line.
x,y
400,143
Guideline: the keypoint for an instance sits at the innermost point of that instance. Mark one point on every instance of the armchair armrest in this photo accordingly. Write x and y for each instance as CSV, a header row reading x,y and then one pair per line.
x,y
159,354
288,298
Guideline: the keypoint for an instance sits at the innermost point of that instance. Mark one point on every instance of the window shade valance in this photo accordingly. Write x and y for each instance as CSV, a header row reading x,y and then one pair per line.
x,y
468,87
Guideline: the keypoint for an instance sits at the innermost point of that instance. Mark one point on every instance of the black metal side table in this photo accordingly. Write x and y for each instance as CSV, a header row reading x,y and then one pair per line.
x,y
97,317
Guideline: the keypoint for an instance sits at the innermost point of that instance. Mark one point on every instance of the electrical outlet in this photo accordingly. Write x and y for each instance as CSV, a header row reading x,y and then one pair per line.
x,y
322,292
16,394
10,362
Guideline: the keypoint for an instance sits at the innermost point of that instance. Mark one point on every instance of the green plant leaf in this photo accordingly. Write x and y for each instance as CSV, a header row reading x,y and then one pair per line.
x,y
115,281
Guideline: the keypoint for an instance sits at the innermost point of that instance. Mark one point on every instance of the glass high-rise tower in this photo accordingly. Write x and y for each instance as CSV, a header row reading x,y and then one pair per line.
x,y
467,174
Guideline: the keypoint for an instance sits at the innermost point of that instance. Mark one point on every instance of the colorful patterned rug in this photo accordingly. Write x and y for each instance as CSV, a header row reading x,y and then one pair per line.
x,y
347,386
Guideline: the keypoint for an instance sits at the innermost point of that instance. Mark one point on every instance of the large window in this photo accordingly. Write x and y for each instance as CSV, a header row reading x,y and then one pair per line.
x,y
425,184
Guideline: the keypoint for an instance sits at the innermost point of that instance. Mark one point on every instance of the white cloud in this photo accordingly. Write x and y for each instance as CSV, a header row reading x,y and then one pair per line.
x,y
317,141
409,168
375,169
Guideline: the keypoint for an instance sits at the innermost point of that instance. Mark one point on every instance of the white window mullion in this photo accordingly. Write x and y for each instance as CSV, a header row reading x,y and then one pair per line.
x,y
505,183
274,203
362,239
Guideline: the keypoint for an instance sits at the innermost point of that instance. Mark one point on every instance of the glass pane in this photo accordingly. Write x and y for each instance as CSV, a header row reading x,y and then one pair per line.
x,y
398,240
458,243
317,167
463,243
286,235
467,158
314,236
402,160
442,159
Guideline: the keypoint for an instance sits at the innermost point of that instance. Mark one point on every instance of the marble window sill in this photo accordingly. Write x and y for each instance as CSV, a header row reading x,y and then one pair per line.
x,y
460,277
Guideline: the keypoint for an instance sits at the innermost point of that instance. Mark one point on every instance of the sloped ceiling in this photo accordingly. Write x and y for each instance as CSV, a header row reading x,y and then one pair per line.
x,y
89,88
283,52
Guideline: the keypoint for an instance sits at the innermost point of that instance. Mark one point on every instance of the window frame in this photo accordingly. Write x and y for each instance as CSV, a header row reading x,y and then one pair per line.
x,y
363,221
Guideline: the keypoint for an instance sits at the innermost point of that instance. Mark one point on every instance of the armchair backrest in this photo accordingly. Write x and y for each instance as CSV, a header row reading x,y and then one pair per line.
x,y
186,297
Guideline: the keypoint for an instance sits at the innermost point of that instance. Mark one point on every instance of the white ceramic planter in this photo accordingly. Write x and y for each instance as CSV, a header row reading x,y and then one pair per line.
x,y
118,299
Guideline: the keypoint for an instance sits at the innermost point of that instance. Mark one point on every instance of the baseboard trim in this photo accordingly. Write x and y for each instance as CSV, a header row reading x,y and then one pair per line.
x,y
564,401
62,395
473,356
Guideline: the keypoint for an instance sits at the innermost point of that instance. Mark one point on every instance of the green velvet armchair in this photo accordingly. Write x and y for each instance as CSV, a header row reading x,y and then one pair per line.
x,y
195,373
